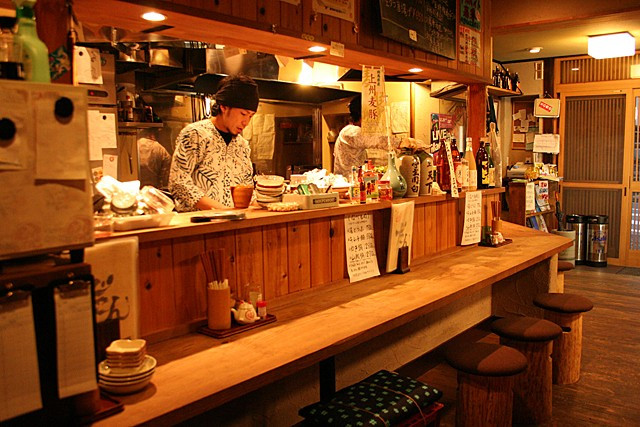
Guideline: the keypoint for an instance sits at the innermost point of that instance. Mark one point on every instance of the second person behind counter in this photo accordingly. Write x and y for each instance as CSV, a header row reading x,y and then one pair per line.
x,y
211,155
353,148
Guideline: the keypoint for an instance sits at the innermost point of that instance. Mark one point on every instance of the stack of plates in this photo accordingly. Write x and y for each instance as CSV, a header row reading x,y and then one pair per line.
x,y
269,189
127,368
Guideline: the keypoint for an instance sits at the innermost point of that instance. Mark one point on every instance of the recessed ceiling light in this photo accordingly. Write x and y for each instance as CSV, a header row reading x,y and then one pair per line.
x,y
153,16
535,50
611,45
317,49
415,70
575,69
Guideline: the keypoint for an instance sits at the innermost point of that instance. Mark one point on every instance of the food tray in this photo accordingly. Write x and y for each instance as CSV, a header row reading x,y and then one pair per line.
x,y
236,328
313,201
142,221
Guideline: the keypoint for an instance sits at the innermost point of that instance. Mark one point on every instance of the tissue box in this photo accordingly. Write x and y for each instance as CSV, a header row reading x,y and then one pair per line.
x,y
313,201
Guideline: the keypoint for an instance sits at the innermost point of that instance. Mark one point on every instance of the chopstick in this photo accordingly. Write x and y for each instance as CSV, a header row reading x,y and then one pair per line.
x,y
213,263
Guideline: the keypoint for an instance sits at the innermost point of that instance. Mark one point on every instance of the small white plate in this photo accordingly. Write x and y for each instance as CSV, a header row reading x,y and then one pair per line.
x,y
148,364
124,389
125,380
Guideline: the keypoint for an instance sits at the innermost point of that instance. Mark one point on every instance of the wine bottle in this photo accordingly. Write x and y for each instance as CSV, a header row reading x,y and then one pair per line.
x,y
457,163
473,170
491,167
482,163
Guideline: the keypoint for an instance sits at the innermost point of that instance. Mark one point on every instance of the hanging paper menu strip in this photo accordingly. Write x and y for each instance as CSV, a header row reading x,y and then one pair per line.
x,y
74,331
360,245
472,218
530,197
19,377
374,105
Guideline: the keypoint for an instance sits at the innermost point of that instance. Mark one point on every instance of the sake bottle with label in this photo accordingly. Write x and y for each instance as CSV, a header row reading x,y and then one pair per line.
x,y
35,56
473,170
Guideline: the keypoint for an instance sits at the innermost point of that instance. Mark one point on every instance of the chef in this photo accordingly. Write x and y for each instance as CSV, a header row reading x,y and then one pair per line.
x,y
211,155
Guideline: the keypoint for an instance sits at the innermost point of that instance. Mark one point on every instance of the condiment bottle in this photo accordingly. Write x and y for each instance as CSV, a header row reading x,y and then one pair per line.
x,y
35,56
262,309
10,51
473,170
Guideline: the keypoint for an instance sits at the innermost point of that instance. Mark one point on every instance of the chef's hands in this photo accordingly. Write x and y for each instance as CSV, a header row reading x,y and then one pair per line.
x,y
206,203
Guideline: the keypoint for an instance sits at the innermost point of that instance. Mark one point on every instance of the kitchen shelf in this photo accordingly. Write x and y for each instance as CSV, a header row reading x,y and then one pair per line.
x,y
502,93
139,125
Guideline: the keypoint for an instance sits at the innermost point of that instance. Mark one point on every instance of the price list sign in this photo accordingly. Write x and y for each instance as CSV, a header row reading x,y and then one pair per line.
x,y
472,218
361,249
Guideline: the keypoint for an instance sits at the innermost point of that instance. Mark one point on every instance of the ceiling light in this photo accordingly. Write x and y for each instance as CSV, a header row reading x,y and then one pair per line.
x,y
153,16
611,45
535,50
317,49
575,69
415,70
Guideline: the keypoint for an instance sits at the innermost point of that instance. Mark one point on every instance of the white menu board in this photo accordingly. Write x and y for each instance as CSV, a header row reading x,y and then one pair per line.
x,y
472,218
361,249
530,197
400,232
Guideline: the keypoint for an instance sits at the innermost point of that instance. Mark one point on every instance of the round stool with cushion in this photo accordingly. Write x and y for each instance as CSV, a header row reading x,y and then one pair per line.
x,y
562,267
565,310
485,381
532,402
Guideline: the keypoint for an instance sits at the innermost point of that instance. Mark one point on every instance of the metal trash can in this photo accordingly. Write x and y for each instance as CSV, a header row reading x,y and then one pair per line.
x,y
578,223
597,233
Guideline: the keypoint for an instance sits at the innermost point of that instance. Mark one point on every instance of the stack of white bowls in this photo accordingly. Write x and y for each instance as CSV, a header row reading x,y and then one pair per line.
x,y
269,189
127,369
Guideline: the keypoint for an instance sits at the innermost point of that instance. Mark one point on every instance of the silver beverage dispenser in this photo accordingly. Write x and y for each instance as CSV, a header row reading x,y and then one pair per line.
x,y
578,223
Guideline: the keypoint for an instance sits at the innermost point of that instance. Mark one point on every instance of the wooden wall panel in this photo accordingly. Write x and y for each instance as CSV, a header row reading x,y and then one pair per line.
x,y
246,9
299,256
269,11
249,259
320,243
381,223
157,304
418,241
331,28
452,229
311,22
338,249
441,226
275,261
189,278
348,30
291,17
365,32
431,221
227,241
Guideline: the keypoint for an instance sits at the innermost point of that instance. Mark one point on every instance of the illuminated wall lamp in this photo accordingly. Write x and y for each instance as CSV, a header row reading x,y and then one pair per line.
x,y
611,45
153,16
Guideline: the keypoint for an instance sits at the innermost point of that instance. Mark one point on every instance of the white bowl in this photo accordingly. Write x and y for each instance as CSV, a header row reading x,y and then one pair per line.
x,y
121,347
147,365
124,389
125,380
269,180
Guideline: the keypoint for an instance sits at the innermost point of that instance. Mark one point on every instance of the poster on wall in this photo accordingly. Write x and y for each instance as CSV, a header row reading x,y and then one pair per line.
x,y
374,113
471,13
343,9
441,125
469,46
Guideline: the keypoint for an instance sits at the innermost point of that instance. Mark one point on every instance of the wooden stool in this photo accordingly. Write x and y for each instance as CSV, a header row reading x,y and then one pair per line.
x,y
485,381
532,401
565,310
562,267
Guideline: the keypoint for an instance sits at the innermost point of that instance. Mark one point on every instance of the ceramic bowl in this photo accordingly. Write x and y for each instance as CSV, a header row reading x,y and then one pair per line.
x,y
269,180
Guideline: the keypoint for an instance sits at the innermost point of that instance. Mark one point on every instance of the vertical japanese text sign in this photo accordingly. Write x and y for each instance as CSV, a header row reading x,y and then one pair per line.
x,y
374,103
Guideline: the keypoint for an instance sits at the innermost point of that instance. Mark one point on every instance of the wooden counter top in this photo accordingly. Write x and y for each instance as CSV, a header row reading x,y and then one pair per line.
x,y
256,217
196,373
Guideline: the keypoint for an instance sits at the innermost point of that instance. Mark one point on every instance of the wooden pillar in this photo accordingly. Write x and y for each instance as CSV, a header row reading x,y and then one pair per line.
x,y
476,113
51,22
484,400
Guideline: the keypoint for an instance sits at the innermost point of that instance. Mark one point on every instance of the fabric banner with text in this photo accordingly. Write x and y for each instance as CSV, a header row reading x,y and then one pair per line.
x,y
374,105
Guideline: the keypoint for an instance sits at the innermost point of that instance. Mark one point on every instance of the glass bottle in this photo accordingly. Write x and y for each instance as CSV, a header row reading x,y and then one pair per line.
x,y
397,182
443,173
482,164
491,166
10,51
457,163
35,56
473,170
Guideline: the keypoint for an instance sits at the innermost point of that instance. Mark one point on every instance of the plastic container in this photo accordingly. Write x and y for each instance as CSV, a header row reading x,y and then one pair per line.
x,y
35,55
597,234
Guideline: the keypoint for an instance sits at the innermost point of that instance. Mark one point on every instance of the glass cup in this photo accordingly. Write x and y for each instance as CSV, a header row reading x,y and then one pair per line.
x,y
241,195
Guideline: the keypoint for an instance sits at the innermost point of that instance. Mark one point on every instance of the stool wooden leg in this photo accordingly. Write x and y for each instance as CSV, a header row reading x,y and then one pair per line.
x,y
484,401
567,348
560,282
532,390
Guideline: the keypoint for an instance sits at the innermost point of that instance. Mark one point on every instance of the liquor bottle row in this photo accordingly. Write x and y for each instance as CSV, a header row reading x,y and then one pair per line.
x,y
503,79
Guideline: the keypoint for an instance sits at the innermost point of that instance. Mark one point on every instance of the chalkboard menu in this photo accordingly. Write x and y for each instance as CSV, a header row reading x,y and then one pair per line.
x,y
429,25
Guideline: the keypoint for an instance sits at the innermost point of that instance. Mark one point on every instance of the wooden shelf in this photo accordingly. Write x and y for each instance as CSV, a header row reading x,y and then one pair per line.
x,y
139,125
529,215
502,93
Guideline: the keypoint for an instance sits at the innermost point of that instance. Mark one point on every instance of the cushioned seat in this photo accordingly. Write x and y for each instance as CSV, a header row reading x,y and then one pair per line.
x,y
532,391
565,266
528,329
563,303
487,360
485,382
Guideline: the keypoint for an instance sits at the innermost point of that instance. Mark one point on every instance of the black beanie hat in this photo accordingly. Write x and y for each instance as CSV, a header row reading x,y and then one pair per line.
x,y
238,92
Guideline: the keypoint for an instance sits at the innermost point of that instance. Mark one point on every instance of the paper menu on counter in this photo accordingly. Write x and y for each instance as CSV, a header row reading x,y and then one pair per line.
x,y
74,332
19,375
362,262
102,132
472,230
400,232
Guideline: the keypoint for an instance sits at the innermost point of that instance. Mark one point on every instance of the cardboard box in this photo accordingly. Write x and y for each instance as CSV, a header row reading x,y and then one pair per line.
x,y
313,201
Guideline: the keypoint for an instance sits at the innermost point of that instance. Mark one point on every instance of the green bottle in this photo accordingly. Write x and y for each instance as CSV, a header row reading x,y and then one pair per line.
x,y
35,54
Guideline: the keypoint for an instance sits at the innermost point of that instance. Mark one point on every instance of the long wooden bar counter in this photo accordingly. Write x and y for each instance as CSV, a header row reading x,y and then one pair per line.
x,y
407,314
